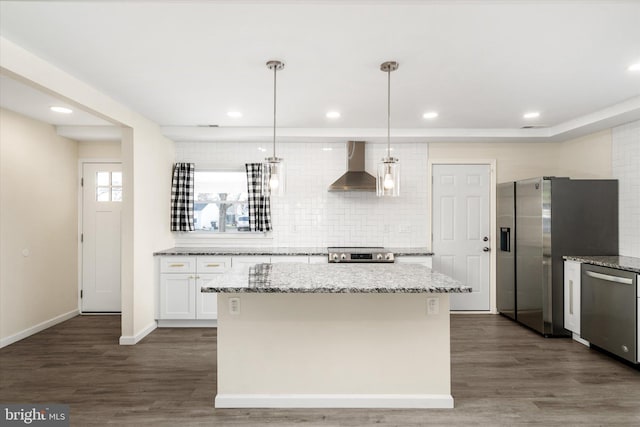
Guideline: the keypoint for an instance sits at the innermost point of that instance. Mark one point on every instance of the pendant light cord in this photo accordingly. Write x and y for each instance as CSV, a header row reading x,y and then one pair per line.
x,y
275,70
389,113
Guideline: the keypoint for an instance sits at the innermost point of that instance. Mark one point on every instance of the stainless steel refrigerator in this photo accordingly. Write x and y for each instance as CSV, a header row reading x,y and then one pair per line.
x,y
539,221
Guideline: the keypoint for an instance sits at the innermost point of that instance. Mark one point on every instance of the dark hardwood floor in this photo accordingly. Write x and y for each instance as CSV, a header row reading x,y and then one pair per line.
x,y
503,374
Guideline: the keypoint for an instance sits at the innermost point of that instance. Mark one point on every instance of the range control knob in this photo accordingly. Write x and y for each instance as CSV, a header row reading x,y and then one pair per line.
x,y
343,256
334,257
388,256
379,256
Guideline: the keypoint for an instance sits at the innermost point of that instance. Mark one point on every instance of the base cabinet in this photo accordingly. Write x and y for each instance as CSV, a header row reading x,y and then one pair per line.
x,y
572,296
180,302
179,296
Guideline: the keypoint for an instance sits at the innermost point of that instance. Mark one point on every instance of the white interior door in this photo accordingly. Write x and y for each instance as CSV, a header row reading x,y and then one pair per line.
x,y
101,207
461,229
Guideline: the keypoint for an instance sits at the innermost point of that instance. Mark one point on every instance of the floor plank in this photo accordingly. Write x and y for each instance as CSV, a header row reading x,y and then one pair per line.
x,y
502,374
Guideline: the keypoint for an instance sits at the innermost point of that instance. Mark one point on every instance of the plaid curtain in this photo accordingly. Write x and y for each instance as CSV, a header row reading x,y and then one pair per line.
x,y
182,197
259,205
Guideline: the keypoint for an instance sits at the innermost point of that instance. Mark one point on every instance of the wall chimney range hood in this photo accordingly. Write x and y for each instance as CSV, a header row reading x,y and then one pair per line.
x,y
356,178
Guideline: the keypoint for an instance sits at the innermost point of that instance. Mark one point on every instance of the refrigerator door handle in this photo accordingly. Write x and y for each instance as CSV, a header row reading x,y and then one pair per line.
x,y
609,278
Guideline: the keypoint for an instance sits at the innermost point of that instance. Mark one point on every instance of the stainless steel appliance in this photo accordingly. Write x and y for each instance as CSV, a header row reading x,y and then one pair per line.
x,y
609,309
539,221
360,254
355,178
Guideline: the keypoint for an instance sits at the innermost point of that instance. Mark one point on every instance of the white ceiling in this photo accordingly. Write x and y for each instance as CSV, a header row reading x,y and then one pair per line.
x,y
480,64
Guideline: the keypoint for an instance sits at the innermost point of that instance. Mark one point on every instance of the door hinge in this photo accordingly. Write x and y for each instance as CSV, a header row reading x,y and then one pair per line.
x,y
81,293
81,182
81,237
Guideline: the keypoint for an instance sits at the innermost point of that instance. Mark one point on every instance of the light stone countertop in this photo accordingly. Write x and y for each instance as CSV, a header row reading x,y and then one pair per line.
x,y
291,251
620,262
334,278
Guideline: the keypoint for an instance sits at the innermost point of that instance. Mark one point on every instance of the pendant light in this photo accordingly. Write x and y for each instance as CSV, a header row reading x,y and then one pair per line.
x,y
273,170
388,179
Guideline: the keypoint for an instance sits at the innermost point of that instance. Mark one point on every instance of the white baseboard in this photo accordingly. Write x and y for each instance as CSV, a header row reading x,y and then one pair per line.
x,y
334,401
187,323
580,340
37,328
135,339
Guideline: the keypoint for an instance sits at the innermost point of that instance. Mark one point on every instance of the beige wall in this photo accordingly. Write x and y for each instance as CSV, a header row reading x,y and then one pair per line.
x,y
38,205
145,153
585,157
99,150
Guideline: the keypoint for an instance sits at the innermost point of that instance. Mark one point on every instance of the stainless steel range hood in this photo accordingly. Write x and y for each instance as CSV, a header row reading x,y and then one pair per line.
x,y
356,178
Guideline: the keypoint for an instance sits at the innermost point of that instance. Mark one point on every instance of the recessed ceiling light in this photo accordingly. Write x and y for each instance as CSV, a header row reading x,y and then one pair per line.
x,y
531,115
333,114
61,110
430,115
234,114
327,149
634,67
262,149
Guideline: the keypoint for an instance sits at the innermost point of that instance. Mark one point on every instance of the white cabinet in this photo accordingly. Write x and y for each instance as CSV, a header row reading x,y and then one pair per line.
x,y
572,296
415,259
180,302
179,296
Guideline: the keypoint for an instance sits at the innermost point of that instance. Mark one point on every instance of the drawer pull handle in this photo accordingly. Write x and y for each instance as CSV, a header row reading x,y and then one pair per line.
x,y
176,265
213,265
608,278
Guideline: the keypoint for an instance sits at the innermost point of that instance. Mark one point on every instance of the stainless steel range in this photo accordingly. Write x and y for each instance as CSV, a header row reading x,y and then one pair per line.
x,y
360,254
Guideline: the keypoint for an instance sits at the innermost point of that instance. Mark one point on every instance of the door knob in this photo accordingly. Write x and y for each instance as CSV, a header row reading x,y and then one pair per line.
x,y
486,249
485,239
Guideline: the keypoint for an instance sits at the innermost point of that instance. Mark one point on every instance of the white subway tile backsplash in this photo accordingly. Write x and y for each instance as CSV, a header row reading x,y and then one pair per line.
x,y
309,215
626,168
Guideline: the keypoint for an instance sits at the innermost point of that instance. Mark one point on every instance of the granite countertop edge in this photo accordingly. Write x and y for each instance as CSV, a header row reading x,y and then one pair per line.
x,y
277,251
612,261
288,290
333,278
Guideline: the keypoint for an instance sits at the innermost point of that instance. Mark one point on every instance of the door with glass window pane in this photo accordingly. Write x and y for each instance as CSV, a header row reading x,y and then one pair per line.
x,y
101,208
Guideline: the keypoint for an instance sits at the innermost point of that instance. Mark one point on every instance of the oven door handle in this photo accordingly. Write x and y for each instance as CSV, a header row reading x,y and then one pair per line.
x,y
609,278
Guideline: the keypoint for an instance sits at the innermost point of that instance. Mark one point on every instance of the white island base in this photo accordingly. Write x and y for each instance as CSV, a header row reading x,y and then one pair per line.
x,y
334,350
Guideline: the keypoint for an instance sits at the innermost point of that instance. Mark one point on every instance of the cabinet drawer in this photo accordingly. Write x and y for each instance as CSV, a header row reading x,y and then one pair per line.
x,y
178,264
213,264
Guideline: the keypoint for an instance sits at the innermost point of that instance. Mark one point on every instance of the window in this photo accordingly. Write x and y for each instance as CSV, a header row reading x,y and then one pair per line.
x,y
220,201
109,186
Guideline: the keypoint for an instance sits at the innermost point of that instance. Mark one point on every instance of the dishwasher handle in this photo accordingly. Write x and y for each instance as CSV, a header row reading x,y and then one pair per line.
x,y
609,278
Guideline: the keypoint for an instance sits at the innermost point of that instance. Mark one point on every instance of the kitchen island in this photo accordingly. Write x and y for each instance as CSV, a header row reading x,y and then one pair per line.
x,y
334,335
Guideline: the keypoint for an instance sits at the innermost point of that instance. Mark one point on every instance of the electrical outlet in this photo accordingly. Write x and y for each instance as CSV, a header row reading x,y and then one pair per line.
x,y
433,305
234,305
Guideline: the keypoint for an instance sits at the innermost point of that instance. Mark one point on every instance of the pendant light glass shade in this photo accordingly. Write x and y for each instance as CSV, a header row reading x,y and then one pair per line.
x,y
273,169
273,176
388,179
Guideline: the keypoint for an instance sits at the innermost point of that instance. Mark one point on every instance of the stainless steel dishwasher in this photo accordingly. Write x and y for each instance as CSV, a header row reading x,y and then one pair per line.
x,y
609,310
